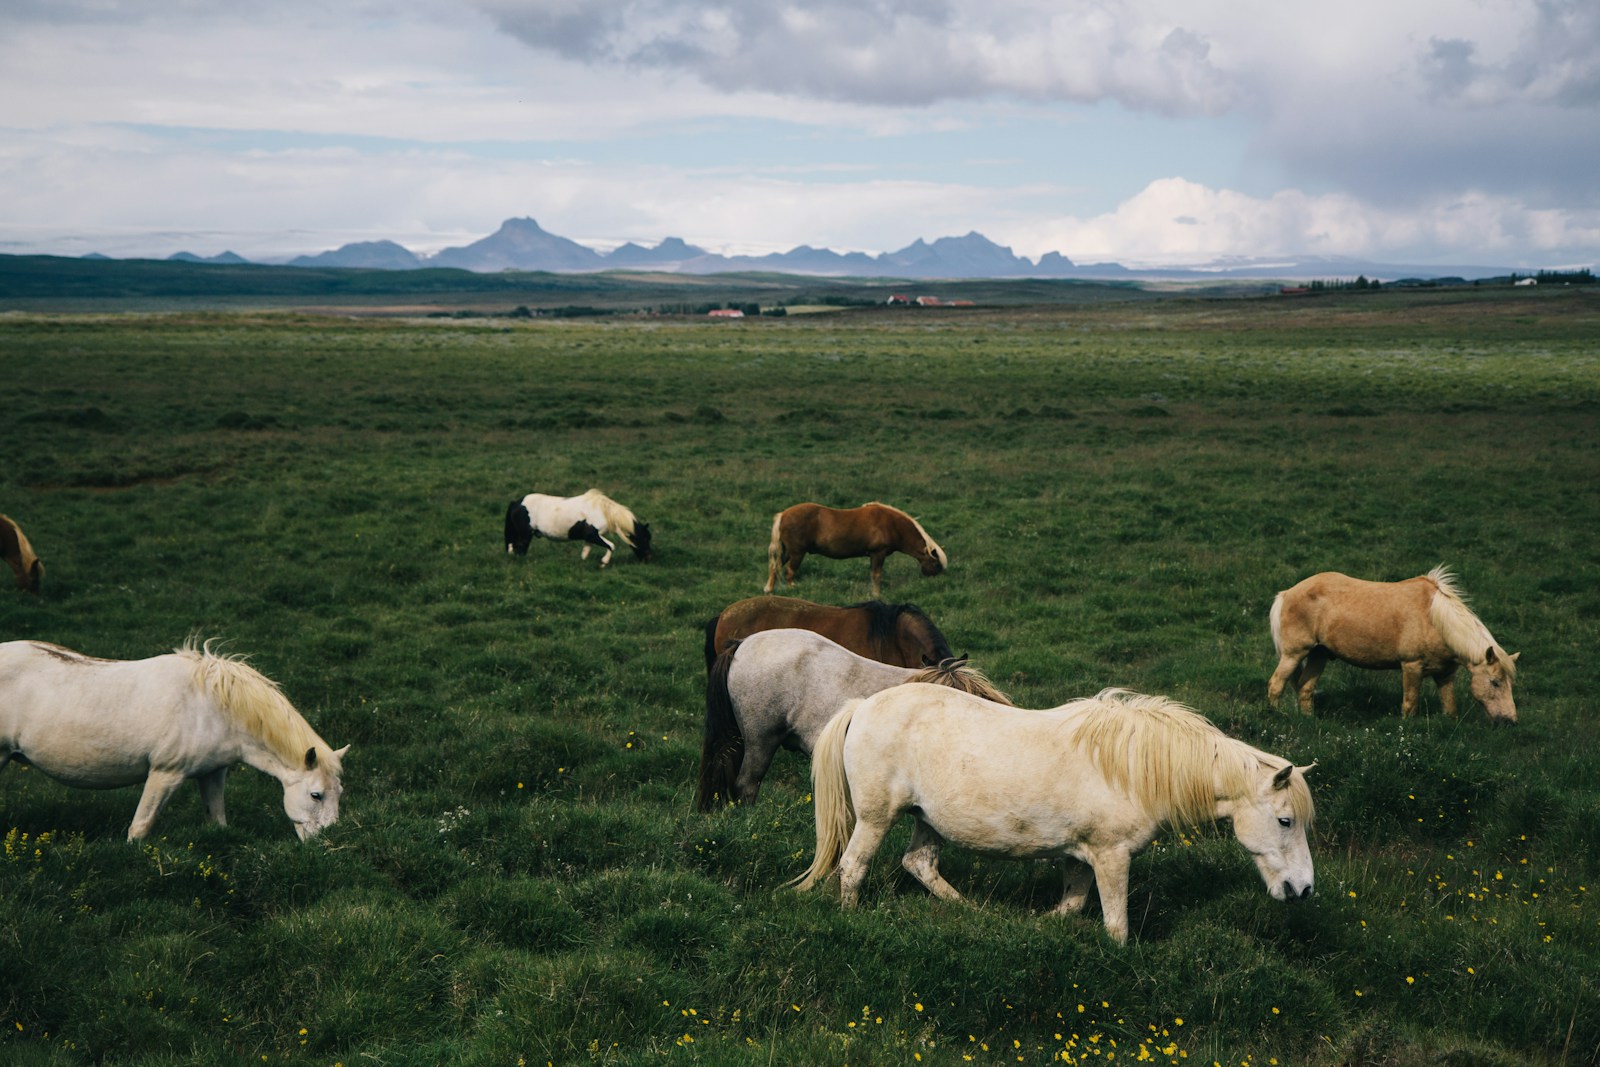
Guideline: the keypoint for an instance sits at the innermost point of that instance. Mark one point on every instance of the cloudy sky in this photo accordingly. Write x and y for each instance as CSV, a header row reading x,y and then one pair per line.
x,y
1145,131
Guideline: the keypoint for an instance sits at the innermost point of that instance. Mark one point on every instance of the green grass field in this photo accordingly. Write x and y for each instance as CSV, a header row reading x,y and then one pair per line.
x,y
518,877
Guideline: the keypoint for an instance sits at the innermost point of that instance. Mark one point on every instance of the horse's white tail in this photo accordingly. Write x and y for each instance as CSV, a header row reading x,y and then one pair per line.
x,y
1275,619
830,791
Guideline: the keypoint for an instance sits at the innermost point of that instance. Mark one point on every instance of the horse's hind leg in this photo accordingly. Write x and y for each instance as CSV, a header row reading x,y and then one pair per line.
x,y
922,860
1286,674
864,841
758,755
791,564
1310,671
158,789
1077,879
211,795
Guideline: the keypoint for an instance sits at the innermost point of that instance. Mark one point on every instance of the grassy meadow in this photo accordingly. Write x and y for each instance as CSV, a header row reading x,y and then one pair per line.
x,y
518,877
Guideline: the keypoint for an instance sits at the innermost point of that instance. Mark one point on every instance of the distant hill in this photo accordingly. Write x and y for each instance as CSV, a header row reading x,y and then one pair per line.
x,y
371,255
523,245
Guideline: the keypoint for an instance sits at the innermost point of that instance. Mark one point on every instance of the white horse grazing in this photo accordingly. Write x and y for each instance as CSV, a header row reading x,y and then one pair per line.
x,y
587,518
779,688
1090,783
100,724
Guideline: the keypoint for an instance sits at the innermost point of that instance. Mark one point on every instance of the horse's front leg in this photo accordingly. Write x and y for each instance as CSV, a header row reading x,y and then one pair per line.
x,y
1111,874
1076,877
1410,688
922,860
1446,681
211,794
158,789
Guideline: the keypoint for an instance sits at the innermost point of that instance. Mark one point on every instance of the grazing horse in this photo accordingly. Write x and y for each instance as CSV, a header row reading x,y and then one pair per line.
x,y
587,518
873,530
898,634
1421,625
27,568
1089,783
779,688
100,724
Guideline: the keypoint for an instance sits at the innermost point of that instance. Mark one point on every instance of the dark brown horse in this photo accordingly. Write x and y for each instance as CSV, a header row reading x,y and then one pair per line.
x,y
874,530
17,552
896,634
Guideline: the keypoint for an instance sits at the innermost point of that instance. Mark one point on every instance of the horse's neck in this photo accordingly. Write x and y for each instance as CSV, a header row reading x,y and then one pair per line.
x,y
262,756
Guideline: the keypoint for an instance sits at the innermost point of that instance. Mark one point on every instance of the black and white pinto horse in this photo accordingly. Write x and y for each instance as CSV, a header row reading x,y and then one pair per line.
x,y
587,518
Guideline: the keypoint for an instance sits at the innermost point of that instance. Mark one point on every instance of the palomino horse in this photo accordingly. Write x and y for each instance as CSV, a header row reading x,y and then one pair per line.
x,y
779,688
873,530
587,518
1089,783
17,552
1421,625
899,634
100,724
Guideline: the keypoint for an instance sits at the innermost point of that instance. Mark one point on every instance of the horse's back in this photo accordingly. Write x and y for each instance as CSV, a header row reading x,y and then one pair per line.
x,y
1368,623
91,722
791,681
758,613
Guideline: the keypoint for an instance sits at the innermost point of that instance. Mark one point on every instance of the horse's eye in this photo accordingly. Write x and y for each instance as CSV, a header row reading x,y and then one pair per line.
x,y
1285,822
317,797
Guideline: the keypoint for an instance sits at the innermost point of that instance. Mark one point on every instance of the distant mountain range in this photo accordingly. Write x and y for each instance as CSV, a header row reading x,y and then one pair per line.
x,y
521,244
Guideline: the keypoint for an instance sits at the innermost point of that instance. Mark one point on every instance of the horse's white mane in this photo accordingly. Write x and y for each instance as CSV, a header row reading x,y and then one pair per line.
x,y
1173,761
933,546
958,674
1463,632
256,704
618,517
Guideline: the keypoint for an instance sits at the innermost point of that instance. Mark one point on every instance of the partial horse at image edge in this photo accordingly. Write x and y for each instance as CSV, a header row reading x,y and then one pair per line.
x,y
587,517
93,723
901,635
1420,626
874,529
26,567
1089,783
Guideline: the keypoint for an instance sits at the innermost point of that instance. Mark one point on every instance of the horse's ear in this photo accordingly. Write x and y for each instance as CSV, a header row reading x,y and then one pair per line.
x,y
1489,657
311,759
1307,769
1281,779
339,752
929,661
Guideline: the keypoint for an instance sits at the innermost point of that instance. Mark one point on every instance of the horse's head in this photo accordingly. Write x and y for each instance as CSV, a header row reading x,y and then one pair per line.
x,y
1271,823
28,580
311,794
933,560
519,528
919,639
1491,684
641,542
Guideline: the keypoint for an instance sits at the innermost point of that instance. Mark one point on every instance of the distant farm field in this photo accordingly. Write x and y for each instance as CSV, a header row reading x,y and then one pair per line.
x,y
518,876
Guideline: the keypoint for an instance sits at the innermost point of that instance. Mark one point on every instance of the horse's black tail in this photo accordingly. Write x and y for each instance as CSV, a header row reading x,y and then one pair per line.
x,y
711,641
722,747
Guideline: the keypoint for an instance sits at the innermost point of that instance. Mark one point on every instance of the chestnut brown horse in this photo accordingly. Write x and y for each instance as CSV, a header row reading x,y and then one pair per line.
x,y
17,552
897,634
874,530
1421,626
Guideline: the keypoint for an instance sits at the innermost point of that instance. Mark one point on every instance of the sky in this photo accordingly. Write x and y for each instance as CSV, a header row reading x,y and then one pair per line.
x,y
1147,132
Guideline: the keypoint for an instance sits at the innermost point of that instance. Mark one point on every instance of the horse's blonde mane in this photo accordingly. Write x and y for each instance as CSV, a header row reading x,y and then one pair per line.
x,y
1173,761
256,705
933,546
958,674
1463,632
618,517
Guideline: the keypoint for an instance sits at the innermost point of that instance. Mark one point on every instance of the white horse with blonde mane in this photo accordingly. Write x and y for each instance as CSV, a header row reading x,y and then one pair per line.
x,y
1422,626
101,724
587,518
1089,783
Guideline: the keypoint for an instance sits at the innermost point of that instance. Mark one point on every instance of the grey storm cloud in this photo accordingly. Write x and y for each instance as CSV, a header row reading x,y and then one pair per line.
x,y
1555,60
895,52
